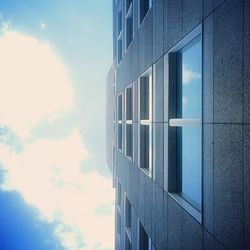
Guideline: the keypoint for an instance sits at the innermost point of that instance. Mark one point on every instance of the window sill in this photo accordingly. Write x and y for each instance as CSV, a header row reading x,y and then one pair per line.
x,y
185,205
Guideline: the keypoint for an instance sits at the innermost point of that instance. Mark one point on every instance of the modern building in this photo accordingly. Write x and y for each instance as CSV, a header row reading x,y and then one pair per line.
x,y
178,124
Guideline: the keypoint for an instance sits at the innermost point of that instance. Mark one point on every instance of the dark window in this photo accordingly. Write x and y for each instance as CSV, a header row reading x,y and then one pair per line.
x,y
128,214
129,103
144,147
119,124
129,22
144,97
119,56
129,140
144,240
128,5
118,226
119,193
119,23
145,126
119,139
128,245
144,7
120,107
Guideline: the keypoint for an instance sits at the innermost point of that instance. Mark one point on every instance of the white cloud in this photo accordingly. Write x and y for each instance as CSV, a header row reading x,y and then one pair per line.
x,y
34,86
47,173
34,83
4,25
189,75
43,25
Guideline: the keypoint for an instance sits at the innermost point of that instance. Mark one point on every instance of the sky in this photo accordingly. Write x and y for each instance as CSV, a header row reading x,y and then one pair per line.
x,y
55,188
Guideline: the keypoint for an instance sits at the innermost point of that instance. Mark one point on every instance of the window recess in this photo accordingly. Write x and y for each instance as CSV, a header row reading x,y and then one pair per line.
x,y
185,123
145,122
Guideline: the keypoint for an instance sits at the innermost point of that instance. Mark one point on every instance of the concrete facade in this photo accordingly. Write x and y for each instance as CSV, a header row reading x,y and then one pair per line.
x,y
225,209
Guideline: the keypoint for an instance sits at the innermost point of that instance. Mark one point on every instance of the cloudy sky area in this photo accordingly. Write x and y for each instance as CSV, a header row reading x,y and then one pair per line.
x,y
55,189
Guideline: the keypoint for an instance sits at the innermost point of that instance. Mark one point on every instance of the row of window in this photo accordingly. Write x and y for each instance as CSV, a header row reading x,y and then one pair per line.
x,y
144,241
143,6
185,123
145,121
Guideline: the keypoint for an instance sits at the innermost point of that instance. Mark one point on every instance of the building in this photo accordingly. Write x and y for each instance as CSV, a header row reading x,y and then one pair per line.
x,y
178,127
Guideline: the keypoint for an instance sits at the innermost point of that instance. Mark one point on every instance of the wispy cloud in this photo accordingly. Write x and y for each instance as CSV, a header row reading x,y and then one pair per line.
x,y
4,25
35,85
43,25
189,75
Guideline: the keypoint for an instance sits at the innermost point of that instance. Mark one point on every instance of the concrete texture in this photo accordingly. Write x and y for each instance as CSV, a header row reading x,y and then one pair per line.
x,y
225,213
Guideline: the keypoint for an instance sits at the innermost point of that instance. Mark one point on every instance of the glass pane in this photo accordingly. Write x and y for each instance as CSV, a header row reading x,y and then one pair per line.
x,y
119,140
120,107
144,97
191,80
144,7
144,146
129,139
189,138
191,164
129,104
143,239
129,29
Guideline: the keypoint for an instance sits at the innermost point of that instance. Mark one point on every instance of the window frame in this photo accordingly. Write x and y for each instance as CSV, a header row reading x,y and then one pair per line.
x,y
119,33
151,2
129,13
150,243
127,229
120,121
146,122
129,122
173,186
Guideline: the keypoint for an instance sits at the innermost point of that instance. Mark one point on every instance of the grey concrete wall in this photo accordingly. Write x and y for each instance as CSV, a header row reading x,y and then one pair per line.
x,y
226,125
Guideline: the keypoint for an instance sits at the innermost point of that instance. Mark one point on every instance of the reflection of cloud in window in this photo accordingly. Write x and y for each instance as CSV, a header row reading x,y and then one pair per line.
x,y
184,102
188,75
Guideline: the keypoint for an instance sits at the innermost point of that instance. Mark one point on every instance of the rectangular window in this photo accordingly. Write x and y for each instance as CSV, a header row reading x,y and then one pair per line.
x,y
129,140
129,103
144,6
119,33
129,121
119,118
118,224
145,126
119,194
119,107
129,22
119,22
118,227
128,223
145,242
188,118
128,214
128,245
119,48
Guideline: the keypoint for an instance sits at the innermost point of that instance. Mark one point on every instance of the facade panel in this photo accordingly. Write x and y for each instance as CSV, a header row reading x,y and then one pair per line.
x,y
215,89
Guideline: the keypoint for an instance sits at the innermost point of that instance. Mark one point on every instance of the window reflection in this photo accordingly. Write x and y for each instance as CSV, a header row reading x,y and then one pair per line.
x,y
189,106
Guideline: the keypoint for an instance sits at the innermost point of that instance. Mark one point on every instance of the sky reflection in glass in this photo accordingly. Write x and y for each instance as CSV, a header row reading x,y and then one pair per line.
x,y
190,105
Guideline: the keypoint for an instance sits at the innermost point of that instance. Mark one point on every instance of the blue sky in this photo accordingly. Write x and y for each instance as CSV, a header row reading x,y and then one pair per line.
x,y
55,188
